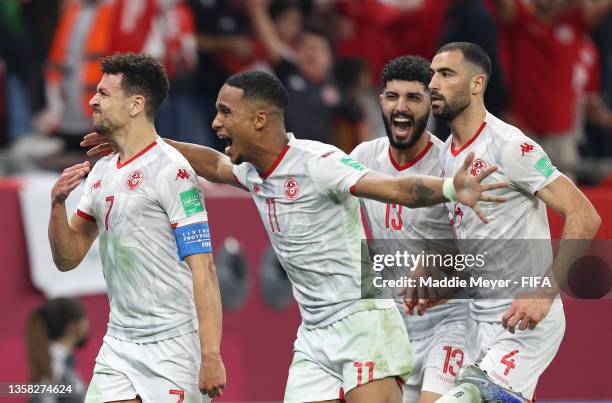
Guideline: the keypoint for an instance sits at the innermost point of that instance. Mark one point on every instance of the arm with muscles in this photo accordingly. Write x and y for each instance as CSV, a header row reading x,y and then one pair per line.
x,y
69,241
422,191
208,306
207,163
581,225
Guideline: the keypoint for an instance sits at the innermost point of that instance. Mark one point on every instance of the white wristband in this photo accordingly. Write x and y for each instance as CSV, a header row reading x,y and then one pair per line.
x,y
448,190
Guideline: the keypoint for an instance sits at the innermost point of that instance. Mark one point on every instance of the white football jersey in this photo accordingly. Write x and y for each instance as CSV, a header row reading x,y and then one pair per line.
x,y
136,205
393,222
525,166
315,227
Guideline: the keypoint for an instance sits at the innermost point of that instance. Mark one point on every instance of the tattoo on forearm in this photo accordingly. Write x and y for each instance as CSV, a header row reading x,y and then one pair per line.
x,y
421,194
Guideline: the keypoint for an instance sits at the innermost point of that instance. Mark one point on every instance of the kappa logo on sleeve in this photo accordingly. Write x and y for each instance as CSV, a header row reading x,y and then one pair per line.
x,y
349,161
544,166
526,148
182,174
192,202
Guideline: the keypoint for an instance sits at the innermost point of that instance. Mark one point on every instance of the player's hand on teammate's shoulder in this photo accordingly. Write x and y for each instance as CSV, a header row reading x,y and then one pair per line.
x,y
68,181
212,375
470,189
527,310
100,144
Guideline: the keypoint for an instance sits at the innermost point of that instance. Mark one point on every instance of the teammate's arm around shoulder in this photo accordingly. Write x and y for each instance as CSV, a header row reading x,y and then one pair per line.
x,y
421,191
69,241
207,163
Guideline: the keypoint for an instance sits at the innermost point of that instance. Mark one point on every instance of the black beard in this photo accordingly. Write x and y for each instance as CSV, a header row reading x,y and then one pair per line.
x,y
417,131
450,110
103,129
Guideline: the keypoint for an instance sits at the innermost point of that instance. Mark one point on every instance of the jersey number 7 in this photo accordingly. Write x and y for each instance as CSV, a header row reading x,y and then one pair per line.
x,y
110,200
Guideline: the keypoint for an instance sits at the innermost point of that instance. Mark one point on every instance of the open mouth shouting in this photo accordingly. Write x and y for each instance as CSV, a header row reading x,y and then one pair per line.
x,y
401,126
228,143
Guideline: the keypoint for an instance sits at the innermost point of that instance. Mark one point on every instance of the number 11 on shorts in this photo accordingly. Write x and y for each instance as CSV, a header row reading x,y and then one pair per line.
x,y
359,366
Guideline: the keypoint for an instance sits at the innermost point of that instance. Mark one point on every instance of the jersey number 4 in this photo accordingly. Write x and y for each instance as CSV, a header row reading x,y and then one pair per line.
x,y
508,361
110,200
395,222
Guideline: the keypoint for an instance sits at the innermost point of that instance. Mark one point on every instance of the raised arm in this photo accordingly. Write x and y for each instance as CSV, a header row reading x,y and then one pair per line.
x,y
207,163
69,241
265,29
422,191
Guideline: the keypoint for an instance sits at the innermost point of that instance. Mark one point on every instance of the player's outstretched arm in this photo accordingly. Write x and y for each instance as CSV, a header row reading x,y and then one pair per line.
x,y
69,241
422,191
581,224
207,163
208,306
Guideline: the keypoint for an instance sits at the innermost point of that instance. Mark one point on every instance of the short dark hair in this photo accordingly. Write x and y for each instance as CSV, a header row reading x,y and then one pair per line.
x,y
260,86
473,53
142,75
407,68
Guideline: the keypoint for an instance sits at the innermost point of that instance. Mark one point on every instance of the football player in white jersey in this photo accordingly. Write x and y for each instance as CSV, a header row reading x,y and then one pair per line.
x,y
513,340
349,346
409,149
144,202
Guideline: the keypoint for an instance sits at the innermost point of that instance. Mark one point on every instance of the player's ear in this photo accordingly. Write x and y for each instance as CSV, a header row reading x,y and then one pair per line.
x,y
137,105
478,84
261,118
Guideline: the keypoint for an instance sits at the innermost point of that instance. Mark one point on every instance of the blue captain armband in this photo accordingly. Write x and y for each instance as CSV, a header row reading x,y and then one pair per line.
x,y
192,239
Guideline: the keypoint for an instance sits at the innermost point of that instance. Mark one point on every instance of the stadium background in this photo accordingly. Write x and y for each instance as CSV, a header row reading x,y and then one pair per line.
x,y
201,42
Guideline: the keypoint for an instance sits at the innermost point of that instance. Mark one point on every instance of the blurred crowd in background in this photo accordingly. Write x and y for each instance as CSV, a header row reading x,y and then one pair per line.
x,y
552,62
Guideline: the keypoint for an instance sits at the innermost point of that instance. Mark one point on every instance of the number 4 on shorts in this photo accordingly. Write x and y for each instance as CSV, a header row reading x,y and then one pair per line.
x,y
508,361
180,393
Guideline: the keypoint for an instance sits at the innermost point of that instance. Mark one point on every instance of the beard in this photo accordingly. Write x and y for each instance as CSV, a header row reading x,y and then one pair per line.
x,y
451,109
418,128
104,128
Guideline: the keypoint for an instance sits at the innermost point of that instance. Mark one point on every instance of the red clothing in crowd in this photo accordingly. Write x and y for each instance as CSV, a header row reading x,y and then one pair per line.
x,y
542,58
383,31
